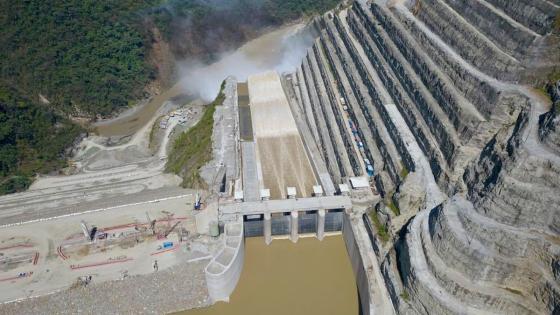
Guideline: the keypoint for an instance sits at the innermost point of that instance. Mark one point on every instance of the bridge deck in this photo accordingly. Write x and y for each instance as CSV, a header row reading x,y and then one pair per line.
x,y
286,205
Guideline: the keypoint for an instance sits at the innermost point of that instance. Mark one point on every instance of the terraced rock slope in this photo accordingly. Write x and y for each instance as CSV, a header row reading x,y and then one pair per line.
x,y
435,96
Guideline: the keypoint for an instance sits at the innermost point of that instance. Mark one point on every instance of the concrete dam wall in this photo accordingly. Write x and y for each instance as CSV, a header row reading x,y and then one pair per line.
x,y
281,224
430,99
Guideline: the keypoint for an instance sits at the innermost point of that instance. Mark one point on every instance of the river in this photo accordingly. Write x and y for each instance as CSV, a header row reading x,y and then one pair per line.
x,y
280,49
309,277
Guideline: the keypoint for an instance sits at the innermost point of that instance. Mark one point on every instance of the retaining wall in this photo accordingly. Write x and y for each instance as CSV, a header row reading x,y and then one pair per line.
x,y
223,272
360,273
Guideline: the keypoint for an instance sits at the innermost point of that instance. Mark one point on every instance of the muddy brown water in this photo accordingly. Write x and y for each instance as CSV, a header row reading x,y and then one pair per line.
x,y
132,121
308,277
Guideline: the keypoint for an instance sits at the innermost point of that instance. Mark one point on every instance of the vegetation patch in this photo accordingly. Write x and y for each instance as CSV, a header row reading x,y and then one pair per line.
x,y
396,211
32,140
404,295
193,148
514,291
554,76
404,172
391,204
542,90
550,79
155,128
382,232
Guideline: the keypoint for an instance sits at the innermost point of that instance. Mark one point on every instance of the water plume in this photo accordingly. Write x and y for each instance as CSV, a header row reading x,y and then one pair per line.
x,y
282,50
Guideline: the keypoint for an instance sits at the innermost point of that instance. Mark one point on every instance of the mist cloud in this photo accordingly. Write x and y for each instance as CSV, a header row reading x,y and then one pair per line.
x,y
282,50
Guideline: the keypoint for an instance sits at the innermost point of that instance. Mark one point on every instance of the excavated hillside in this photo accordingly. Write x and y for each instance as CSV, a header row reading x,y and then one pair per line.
x,y
435,96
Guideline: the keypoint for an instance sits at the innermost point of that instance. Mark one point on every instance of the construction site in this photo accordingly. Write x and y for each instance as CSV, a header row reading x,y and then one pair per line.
x,y
116,221
431,156
48,256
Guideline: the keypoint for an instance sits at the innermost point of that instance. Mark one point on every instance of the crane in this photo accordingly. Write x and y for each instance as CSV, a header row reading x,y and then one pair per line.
x,y
152,223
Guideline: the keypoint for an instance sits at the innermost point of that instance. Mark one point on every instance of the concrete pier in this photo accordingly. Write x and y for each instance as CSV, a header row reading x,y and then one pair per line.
x,y
267,228
294,229
321,224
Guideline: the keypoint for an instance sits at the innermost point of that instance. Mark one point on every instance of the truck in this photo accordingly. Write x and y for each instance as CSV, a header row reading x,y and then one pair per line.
x,y
353,127
369,169
165,245
197,203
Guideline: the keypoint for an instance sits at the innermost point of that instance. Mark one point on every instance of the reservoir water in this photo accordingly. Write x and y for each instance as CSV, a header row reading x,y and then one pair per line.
x,y
283,278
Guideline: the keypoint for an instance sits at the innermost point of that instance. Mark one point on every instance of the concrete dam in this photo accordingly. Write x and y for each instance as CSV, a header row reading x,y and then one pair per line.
x,y
408,164
412,128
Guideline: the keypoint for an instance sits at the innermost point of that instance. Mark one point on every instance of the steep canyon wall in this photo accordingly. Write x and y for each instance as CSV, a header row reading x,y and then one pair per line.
x,y
454,75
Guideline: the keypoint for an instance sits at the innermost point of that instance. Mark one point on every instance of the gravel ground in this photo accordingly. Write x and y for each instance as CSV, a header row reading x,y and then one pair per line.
x,y
177,288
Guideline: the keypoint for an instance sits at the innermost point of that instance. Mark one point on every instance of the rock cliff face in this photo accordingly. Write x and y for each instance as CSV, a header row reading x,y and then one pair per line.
x,y
549,123
432,91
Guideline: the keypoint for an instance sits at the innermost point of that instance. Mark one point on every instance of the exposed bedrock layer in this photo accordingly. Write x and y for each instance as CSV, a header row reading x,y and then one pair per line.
x,y
537,15
429,89
549,123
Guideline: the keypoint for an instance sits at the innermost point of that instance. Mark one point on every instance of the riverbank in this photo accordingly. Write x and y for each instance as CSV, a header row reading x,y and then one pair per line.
x,y
133,119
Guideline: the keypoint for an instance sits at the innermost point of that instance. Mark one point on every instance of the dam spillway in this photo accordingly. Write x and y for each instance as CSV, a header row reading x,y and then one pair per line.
x,y
281,157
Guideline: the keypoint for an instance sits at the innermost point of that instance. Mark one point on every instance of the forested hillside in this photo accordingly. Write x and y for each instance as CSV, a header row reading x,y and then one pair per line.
x,y
33,140
89,57
84,58
86,55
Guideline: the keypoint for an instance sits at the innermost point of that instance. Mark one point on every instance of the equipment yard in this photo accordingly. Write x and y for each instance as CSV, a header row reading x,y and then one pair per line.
x,y
44,257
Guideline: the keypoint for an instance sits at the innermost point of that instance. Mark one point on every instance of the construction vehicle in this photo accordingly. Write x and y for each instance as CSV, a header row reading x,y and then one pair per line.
x,y
88,233
370,170
197,203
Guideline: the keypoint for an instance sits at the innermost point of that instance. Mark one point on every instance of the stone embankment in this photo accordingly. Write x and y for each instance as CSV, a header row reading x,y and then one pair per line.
x,y
435,91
